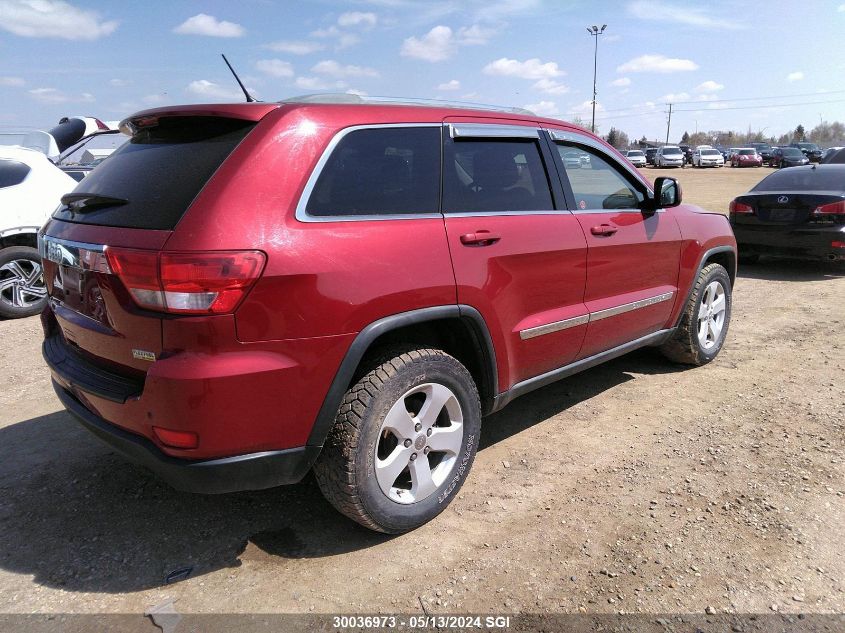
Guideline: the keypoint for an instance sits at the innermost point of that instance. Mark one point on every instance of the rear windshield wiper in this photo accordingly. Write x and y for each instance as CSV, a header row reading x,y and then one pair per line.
x,y
80,202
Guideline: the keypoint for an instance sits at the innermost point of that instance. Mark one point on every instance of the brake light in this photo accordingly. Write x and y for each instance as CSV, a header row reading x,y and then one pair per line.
x,y
834,208
187,283
740,207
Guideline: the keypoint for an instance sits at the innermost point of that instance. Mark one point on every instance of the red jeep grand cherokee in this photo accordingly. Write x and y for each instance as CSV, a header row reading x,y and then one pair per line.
x,y
244,292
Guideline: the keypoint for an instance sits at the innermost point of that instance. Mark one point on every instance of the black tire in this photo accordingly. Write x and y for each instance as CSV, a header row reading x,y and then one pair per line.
x,y
346,468
17,300
685,346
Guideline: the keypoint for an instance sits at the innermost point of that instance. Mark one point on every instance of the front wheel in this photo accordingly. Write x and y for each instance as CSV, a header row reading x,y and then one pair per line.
x,y
403,441
704,324
22,290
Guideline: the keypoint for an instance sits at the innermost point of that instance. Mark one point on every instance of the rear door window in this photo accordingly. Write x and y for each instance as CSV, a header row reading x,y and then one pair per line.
x,y
380,172
159,172
495,175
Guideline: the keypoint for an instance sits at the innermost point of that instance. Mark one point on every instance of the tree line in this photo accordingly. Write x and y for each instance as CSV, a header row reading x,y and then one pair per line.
x,y
824,134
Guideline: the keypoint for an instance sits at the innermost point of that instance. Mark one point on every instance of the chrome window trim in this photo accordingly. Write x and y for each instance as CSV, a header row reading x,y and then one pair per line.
x,y
492,130
574,137
628,307
302,215
557,326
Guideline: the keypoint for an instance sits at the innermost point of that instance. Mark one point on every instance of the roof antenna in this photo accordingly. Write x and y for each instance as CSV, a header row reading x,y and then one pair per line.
x,y
249,97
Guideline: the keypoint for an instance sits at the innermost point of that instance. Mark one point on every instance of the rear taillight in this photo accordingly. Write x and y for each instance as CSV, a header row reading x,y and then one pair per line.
x,y
740,207
187,283
834,208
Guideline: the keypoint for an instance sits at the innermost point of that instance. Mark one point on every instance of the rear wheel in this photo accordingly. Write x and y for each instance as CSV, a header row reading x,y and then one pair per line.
x,y
22,290
403,441
704,324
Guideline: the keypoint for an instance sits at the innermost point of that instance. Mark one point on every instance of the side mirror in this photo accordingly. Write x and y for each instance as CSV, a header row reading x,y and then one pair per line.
x,y
667,193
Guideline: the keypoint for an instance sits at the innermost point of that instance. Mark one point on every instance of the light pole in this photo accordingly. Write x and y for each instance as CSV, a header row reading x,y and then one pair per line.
x,y
595,32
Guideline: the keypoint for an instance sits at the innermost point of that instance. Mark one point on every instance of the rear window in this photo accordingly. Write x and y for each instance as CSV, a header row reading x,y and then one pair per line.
x,y
12,172
159,171
380,171
804,179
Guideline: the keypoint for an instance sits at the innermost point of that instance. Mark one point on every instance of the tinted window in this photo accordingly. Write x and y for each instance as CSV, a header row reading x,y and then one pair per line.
x,y
12,173
792,152
382,171
710,152
671,151
495,175
747,152
803,179
159,171
599,185
635,153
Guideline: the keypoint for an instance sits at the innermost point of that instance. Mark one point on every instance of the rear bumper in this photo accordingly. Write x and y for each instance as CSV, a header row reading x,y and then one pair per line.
x,y
253,471
787,241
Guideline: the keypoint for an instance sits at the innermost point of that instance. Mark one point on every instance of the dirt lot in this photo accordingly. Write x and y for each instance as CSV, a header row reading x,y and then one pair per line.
x,y
635,486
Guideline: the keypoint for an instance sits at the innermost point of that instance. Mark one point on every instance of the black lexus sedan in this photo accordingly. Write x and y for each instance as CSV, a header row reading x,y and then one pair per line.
x,y
797,212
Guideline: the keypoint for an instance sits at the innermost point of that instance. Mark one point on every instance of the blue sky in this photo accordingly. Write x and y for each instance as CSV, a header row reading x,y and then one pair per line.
x,y
724,65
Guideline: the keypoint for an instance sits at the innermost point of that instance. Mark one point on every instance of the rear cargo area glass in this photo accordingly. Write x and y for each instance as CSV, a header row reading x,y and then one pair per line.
x,y
159,172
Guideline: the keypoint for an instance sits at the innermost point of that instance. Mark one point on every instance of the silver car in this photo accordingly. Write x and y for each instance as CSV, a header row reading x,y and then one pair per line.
x,y
669,156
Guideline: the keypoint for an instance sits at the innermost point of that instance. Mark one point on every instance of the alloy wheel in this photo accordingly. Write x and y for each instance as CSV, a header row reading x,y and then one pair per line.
x,y
22,283
711,315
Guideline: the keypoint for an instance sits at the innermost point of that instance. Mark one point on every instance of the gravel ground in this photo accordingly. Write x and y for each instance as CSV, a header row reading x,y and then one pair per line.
x,y
635,486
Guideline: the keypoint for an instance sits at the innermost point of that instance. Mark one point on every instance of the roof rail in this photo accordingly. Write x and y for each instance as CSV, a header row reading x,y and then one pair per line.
x,y
348,97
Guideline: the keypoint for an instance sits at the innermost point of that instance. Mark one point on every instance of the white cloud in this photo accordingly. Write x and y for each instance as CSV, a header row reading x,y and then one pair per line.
x,y
674,97
11,81
210,90
475,35
529,69
435,46
550,86
622,82
796,76
709,86
318,83
48,95
454,84
353,91
275,67
841,8
334,69
686,14
543,108
54,95
119,83
585,110
203,24
357,18
294,47
344,40
52,18
656,64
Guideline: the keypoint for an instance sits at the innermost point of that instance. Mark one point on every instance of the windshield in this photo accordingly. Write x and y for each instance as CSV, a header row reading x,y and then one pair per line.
x,y
808,146
710,152
748,152
93,149
791,151
671,151
635,153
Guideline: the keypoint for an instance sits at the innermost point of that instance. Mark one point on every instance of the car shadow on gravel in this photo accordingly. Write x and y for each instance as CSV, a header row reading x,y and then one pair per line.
x,y
774,269
76,516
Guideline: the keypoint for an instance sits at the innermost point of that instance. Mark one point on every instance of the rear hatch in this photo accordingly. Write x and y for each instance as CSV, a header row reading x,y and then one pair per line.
x,y
102,247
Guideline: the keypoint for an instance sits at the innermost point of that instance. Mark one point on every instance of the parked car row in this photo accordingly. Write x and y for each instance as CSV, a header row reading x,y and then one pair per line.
x,y
754,155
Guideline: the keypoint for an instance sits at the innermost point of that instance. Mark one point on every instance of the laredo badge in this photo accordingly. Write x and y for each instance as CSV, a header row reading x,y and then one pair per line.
x,y
142,354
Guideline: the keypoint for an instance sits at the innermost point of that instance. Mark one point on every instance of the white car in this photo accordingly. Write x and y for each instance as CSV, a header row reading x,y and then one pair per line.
x,y
636,156
31,188
707,157
669,156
